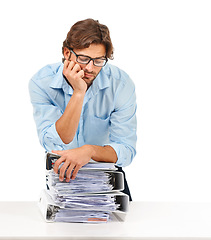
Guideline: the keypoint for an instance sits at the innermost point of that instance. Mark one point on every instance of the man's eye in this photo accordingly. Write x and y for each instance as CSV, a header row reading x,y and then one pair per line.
x,y
83,59
99,61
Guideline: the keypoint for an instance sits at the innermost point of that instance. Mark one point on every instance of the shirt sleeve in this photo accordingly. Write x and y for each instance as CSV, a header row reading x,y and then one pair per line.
x,y
45,113
123,124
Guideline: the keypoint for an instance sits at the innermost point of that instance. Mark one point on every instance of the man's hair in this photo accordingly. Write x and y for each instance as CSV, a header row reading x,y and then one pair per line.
x,y
86,32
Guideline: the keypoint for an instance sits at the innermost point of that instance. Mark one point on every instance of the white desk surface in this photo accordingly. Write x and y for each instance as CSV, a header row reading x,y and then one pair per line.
x,y
145,220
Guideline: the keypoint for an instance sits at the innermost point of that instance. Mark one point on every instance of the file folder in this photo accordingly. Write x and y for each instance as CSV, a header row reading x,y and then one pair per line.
x,y
93,197
49,208
115,181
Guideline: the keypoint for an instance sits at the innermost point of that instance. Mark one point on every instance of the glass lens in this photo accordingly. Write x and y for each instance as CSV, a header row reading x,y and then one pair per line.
x,y
83,59
99,62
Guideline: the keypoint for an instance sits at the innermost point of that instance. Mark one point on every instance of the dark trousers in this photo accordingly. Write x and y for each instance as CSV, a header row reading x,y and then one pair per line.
x,y
126,190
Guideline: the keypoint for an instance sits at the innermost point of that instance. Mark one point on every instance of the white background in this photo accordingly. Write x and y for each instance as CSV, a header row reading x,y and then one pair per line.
x,y
165,46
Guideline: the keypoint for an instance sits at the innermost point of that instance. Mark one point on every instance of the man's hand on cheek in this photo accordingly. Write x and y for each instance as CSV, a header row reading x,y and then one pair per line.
x,y
72,160
74,74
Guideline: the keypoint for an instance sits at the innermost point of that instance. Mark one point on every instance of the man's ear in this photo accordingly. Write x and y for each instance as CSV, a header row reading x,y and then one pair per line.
x,y
66,53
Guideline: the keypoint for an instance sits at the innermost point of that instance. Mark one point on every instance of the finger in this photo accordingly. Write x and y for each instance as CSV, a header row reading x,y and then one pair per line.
x,y
80,74
75,172
76,68
66,62
62,171
70,65
57,164
66,65
68,172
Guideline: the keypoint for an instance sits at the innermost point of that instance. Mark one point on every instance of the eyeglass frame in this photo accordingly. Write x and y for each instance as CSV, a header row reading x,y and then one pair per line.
x,y
90,59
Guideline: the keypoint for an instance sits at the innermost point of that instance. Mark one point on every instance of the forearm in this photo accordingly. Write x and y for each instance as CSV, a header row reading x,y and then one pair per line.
x,y
67,124
74,159
102,154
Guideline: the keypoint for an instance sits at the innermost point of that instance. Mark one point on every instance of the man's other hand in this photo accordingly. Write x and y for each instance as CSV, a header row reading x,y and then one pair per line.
x,y
72,160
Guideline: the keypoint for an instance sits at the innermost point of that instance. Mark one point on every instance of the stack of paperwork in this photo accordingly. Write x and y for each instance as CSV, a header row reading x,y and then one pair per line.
x,y
93,197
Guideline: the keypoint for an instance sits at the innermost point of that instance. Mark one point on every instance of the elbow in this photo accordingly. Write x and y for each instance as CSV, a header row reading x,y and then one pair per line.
x,y
64,135
66,139
51,139
126,156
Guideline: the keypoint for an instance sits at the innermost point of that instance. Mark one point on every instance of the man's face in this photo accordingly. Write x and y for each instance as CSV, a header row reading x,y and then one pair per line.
x,y
90,70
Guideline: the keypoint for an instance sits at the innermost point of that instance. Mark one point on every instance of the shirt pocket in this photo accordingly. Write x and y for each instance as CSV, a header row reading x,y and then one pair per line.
x,y
97,130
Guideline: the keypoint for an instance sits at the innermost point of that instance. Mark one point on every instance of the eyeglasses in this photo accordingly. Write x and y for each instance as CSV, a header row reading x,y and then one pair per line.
x,y
98,62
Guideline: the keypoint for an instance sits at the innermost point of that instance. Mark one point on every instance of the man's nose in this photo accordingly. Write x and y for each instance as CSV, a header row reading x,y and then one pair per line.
x,y
89,67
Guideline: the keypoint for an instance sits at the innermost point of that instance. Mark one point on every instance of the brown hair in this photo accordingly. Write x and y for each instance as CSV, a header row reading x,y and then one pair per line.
x,y
86,32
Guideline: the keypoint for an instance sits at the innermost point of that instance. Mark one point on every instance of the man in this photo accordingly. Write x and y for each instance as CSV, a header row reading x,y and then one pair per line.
x,y
85,108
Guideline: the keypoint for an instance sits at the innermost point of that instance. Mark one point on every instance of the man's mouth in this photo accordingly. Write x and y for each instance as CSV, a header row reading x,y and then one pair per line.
x,y
88,75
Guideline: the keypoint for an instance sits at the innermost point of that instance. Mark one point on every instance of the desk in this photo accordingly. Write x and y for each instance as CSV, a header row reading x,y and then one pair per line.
x,y
145,220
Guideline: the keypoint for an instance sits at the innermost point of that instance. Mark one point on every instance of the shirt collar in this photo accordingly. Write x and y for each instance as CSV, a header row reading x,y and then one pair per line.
x,y
57,80
101,81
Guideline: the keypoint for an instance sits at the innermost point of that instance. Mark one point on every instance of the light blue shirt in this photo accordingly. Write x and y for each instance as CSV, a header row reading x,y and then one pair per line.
x,y
108,116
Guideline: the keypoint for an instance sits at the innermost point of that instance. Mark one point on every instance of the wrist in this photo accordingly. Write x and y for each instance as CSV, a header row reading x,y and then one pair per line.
x,y
89,149
79,93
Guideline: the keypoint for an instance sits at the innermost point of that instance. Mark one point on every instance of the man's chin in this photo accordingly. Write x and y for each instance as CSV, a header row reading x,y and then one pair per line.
x,y
88,81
